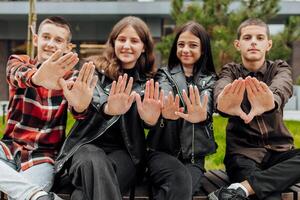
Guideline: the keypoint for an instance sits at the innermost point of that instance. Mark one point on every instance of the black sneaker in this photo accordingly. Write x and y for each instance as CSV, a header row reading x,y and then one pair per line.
x,y
49,196
228,194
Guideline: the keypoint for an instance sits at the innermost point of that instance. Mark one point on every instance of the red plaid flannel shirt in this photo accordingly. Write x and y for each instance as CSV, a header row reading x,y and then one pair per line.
x,y
36,118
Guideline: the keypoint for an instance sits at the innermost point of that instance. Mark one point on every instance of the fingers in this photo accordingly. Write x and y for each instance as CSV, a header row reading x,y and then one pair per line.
x,y
227,89
124,83
186,100
147,90
70,63
129,86
182,115
113,88
161,98
205,101
56,55
82,72
94,82
264,87
177,101
156,91
131,98
151,95
138,102
197,96
119,84
192,95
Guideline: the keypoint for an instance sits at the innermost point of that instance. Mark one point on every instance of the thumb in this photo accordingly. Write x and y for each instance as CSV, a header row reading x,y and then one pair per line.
x,y
138,102
64,85
250,117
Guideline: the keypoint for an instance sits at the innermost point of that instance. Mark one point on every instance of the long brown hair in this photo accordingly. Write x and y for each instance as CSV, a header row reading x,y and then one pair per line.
x,y
111,65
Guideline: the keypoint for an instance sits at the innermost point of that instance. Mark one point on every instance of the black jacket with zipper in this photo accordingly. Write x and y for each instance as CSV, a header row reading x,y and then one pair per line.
x,y
190,141
95,124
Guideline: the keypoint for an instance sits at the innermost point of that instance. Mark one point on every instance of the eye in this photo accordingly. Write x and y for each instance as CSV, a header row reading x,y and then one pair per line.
x,y
247,37
260,37
46,37
193,46
135,40
59,40
180,44
121,39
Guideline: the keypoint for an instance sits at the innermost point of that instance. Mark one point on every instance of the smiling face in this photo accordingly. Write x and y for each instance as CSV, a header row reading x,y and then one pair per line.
x,y
253,44
188,49
128,47
49,39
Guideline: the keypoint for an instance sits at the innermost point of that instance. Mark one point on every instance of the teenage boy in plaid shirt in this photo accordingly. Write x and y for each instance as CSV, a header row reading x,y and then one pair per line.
x,y
39,93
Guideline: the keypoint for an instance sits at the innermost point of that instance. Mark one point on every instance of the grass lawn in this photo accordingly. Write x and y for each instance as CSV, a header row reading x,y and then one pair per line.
x,y
214,161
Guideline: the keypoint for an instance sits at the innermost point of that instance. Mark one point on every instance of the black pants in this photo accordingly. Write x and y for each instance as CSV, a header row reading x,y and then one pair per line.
x,y
276,173
98,175
171,179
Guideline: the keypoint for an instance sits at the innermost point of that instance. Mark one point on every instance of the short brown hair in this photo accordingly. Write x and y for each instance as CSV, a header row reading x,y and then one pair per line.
x,y
58,21
252,21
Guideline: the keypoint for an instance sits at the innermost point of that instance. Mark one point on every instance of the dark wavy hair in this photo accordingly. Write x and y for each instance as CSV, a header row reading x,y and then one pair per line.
x,y
205,63
111,65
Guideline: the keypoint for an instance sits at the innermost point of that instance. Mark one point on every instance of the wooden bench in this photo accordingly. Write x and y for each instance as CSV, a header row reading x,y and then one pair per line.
x,y
213,180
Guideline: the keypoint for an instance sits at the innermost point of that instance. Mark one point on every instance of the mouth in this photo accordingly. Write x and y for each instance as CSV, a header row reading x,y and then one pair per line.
x,y
253,50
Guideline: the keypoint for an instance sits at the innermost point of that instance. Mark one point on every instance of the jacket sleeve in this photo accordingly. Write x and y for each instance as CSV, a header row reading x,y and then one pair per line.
x,y
209,91
19,71
282,83
164,82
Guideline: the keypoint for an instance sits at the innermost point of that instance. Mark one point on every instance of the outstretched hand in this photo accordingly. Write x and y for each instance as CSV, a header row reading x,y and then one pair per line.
x,y
120,96
230,99
260,97
150,108
53,69
170,105
80,94
196,110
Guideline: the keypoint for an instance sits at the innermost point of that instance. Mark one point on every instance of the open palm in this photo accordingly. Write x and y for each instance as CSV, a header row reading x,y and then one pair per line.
x,y
120,97
80,94
150,108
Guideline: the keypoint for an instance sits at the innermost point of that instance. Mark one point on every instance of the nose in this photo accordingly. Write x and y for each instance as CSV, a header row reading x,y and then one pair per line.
x,y
51,43
126,44
185,49
253,42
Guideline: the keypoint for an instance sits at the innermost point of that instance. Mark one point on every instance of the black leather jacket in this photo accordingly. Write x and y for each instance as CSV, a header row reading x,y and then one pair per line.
x,y
95,124
179,137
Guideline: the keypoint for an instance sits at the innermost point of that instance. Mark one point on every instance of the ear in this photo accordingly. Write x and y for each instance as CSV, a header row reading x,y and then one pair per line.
x,y
236,44
35,40
270,44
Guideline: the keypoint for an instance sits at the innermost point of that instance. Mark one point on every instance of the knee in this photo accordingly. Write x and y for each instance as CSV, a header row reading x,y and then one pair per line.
x,y
90,157
181,180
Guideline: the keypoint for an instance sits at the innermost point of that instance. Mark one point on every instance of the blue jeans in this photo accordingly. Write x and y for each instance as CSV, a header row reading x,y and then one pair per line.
x,y
23,184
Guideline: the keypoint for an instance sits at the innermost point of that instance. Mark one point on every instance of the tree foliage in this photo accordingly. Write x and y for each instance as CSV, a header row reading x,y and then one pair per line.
x,y
221,19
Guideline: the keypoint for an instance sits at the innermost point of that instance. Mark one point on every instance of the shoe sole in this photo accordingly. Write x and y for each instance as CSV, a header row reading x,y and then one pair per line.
x,y
212,196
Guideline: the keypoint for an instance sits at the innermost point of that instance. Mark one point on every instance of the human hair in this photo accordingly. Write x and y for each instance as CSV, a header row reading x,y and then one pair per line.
x,y
58,21
250,22
205,63
112,66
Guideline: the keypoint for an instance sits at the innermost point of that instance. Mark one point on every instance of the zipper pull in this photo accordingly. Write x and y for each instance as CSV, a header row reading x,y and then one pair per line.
x,y
193,158
162,124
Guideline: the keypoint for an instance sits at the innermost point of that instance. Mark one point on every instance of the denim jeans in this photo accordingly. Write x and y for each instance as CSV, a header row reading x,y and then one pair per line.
x,y
23,184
